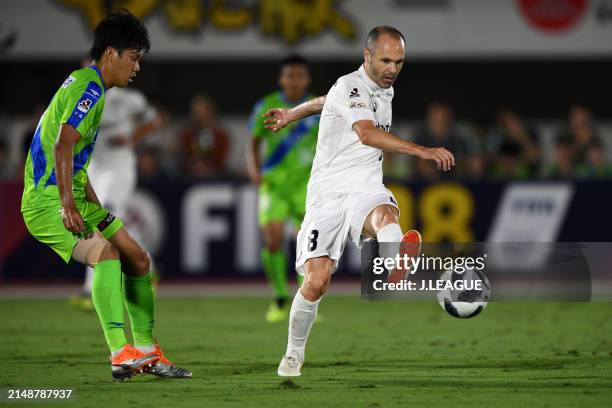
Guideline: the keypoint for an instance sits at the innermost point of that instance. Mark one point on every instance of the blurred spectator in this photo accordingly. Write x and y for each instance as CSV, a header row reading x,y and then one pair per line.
x,y
440,131
562,167
164,139
149,168
513,147
476,163
205,145
595,165
581,135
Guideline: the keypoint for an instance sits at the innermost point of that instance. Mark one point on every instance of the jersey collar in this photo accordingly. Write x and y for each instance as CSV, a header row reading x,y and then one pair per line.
x,y
99,74
364,75
386,93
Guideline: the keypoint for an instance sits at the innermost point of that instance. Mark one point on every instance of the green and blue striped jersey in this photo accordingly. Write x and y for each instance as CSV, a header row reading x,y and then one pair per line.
x,y
288,153
79,102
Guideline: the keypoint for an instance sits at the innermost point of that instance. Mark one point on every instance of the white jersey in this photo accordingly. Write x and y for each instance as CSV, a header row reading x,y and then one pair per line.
x,y
342,163
124,110
112,171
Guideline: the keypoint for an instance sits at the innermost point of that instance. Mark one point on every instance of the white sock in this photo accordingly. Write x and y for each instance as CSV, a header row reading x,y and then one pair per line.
x,y
89,275
301,317
392,235
146,349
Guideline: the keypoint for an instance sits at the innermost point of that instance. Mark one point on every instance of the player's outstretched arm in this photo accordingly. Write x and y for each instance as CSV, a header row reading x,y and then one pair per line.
x,y
370,135
278,118
64,149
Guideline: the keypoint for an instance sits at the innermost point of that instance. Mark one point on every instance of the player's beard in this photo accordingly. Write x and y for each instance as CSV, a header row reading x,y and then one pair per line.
x,y
377,76
380,76
388,84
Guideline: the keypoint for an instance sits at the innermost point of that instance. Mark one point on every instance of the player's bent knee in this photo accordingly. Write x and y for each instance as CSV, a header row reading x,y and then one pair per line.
x,y
139,264
144,263
388,216
273,237
317,278
378,218
316,286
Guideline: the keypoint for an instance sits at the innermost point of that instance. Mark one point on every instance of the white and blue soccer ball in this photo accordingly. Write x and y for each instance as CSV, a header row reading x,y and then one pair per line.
x,y
468,301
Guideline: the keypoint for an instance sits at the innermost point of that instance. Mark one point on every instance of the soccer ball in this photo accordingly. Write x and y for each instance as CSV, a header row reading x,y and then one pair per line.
x,y
467,298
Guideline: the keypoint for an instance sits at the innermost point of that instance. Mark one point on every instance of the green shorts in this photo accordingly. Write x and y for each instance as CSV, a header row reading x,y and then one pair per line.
x,y
276,204
45,224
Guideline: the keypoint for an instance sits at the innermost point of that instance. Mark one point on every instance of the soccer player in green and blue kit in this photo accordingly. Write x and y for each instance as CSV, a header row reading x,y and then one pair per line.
x,y
282,174
61,210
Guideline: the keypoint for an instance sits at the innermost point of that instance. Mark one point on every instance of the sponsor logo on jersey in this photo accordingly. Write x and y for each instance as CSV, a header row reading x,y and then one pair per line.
x,y
93,92
358,105
106,222
84,105
354,93
386,94
374,106
68,81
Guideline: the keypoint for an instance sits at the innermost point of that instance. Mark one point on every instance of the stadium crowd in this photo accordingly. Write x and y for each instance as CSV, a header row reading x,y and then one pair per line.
x,y
197,146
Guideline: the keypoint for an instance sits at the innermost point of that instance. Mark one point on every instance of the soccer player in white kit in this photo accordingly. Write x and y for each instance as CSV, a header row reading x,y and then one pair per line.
x,y
346,196
128,117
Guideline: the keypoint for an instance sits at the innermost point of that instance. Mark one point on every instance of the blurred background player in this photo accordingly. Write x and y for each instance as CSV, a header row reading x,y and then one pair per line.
x,y
128,118
204,143
61,209
282,174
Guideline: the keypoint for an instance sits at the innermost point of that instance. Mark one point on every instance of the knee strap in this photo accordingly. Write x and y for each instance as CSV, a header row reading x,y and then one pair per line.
x,y
88,250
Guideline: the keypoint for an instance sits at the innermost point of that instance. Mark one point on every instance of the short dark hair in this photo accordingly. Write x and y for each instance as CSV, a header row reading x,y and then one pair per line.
x,y
294,59
377,31
120,30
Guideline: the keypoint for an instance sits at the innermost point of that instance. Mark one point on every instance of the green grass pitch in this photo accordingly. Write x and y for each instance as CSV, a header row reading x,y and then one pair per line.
x,y
363,354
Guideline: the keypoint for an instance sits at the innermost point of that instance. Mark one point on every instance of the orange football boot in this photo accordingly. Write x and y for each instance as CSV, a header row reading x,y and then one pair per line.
x,y
166,369
410,246
131,361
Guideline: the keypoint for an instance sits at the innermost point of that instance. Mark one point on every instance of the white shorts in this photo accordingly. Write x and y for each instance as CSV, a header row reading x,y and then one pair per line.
x,y
330,219
114,187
